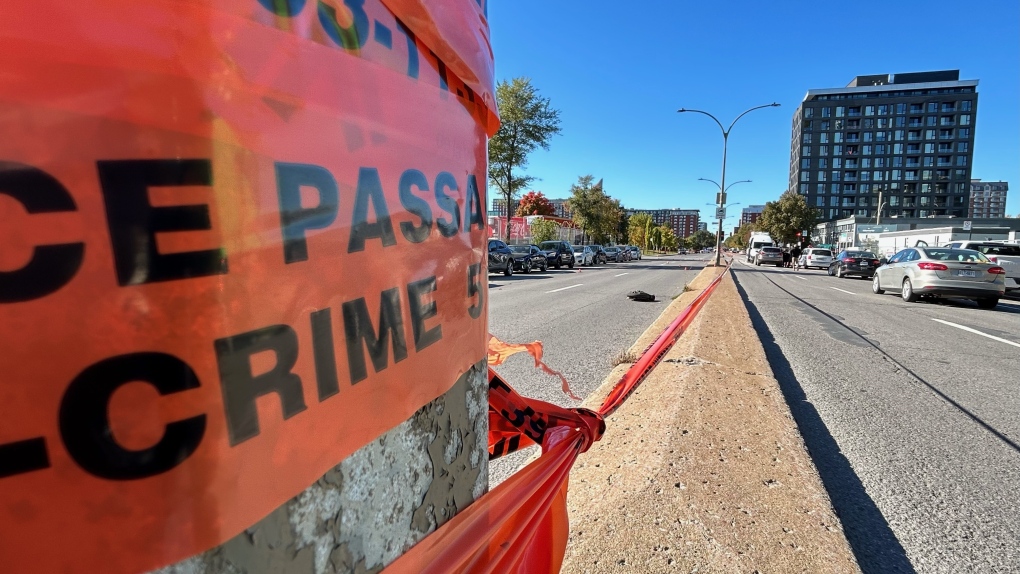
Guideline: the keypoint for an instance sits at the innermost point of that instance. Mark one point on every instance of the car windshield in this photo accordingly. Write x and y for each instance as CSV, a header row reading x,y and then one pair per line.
x,y
578,249
996,249
521,248
862,255
965,255
612,248
821,253
772,250
549,245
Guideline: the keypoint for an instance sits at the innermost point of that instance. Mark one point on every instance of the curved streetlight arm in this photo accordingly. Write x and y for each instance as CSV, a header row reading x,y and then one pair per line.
x,y
716,120
736,182
772,105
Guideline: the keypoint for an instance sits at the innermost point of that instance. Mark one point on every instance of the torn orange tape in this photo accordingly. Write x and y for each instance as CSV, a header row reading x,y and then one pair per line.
x,y
235,233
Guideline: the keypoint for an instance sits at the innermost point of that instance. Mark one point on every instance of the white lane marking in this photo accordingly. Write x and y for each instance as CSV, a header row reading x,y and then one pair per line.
x,y
661,264
847,292
799,277
565,288
622,274
976,332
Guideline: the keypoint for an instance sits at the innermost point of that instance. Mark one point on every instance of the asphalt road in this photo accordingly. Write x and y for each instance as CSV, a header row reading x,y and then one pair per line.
x,y
583,319
910,411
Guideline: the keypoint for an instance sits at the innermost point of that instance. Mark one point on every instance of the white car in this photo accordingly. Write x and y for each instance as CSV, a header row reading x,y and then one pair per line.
x,y
815,257
583,255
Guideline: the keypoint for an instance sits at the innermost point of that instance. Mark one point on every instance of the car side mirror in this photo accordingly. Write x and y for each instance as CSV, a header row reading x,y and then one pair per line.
x,y
883,261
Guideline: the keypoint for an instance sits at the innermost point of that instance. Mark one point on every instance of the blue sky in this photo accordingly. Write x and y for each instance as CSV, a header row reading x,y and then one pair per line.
x,y
618,71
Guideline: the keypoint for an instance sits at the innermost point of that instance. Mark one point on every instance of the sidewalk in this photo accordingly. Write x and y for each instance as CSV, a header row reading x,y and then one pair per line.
x,y
702,469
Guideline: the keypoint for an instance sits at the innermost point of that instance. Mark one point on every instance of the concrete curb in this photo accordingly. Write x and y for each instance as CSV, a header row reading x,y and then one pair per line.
x,y
703,468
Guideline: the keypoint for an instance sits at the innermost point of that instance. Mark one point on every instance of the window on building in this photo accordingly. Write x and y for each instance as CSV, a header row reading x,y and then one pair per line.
x,y
929,134
809,112
916,108
948,107
826,112
946,134
820,176
897,174
869,110
901,122
823,137
866,149
946,121
964,133
823,163
836,175
933,107
912,135
926,174
840,111
929,161
837,150
930,120
865,188
820,201
866,162
944,160
964,119
806,151
961,160
853,111
820,188
837,137
926,188
881,149
910,175
878,175
869,136
897,161
929,148
965,105
823,150
807,138
945,147
837,162
824,125
833,200
865,175
881,162
901,109
804,188
962,147
960,173
804,176
881,136
884,123
808,125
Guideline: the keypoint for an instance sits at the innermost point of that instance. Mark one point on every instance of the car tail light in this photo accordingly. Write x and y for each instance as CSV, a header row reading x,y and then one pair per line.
x,y
997,270
932,266
875,262
851,260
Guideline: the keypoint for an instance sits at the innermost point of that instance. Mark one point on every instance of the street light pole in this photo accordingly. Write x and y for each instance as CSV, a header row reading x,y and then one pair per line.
x,y
721,200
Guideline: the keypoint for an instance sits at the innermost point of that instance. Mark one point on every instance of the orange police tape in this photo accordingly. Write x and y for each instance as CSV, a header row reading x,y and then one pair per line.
x,y
522,524
234,234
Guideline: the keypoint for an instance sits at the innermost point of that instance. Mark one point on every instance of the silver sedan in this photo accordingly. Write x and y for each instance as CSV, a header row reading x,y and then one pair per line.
x,y
932,272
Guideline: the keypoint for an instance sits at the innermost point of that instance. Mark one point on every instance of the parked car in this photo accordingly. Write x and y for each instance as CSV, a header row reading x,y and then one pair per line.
x,y
854,262
558,253
681,251
615,254
772,255
500,258
932,272
815,257
599,254
528,257
583,255
1003,254
635,252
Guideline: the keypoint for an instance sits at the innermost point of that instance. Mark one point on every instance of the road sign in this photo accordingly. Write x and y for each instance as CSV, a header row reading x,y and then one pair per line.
x,y
967,225
720,213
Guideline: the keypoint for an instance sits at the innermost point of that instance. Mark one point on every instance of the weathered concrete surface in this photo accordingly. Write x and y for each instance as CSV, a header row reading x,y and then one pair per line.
x,y
703,469
378,502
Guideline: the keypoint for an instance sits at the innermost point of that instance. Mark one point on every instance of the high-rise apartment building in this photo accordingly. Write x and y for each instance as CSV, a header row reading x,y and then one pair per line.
x,y
751,213
987,198
899,143
683,222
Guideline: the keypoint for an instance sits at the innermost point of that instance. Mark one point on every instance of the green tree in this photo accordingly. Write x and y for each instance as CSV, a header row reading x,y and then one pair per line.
x,y
622,226
527,122
669,239
607,219
701,239
587,205
534,203
655,238
637,225
543,230
740,238
782,219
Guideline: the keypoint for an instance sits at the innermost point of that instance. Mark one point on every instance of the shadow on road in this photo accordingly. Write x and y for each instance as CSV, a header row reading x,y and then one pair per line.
x,y
874,544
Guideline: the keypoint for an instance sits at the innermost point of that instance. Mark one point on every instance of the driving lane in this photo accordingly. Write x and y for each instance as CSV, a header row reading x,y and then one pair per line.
x,y
913,422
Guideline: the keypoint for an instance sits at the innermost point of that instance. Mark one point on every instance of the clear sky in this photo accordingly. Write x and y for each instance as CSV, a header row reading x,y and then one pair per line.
x,y
618,71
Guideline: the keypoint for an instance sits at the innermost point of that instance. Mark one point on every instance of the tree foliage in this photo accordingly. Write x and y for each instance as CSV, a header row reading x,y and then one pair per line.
x,y
597,214
543,230
782,219
637,229
534,203
701,239
655,238
668,238
527,122
740,237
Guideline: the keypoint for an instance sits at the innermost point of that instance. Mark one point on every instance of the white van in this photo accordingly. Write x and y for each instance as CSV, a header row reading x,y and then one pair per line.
x,y
756,242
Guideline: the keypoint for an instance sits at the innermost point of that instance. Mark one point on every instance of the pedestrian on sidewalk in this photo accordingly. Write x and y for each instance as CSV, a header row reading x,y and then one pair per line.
x,y
795,256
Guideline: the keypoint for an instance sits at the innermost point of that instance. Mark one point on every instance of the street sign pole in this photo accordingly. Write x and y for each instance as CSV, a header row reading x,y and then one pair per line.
x,y
968,226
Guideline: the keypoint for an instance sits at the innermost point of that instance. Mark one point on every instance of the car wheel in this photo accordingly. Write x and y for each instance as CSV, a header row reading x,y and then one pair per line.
x,y
509,268
907,293
757,262
839,272
556,266
988,303
545,267
876,287
570,265
527,267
